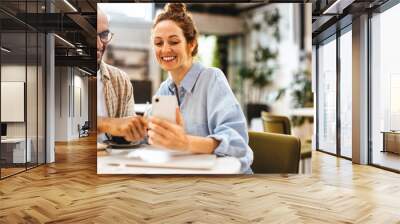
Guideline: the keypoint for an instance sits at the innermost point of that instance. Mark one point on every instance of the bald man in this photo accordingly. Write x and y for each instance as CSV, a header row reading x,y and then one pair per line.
x,y
115,103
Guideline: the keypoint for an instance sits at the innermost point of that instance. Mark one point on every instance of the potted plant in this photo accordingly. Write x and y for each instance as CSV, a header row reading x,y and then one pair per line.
x,y
260,76
260,72
302,95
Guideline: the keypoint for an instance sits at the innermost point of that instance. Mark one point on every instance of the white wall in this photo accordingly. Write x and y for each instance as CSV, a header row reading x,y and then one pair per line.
x,y
61,103
34,124
15,73
80,83
68,81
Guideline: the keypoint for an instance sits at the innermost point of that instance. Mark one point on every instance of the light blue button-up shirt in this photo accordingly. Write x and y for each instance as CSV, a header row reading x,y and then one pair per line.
x,y
210,109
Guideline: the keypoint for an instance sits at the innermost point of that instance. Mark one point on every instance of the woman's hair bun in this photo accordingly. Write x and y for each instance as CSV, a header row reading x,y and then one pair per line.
x,y
175,8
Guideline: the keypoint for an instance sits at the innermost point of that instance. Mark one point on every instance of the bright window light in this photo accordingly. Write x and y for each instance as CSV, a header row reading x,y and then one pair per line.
x,y
206,51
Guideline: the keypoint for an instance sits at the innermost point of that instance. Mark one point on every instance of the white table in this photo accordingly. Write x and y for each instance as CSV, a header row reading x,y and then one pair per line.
x,y
110,163
303,112
19,155
140,108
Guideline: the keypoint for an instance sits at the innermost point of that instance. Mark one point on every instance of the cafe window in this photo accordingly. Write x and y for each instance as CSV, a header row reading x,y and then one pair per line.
x,y
334,94
385,89
345,61
327,96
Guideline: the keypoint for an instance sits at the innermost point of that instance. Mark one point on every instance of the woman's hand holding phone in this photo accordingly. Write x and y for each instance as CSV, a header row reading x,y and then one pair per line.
x,y
169,135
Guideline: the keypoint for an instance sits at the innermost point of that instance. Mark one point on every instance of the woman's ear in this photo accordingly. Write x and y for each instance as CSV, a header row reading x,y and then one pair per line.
x,y
191,46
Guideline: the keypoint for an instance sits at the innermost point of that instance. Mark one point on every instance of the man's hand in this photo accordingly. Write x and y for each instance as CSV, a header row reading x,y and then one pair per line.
x,y
131,128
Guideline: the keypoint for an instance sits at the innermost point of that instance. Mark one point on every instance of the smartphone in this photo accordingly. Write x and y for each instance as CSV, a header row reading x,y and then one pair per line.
x,y
164,107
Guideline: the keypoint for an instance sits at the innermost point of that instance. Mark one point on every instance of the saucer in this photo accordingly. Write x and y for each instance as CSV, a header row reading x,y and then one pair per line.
x,y
115,145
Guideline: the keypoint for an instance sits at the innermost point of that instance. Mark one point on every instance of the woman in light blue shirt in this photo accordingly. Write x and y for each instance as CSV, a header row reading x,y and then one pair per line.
x,y
209,118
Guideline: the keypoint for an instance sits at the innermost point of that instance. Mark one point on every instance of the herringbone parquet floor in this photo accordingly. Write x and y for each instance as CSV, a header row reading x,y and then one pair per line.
x,y
70,191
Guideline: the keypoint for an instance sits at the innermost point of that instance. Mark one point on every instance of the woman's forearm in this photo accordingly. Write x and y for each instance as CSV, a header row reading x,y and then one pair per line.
x,y
202,145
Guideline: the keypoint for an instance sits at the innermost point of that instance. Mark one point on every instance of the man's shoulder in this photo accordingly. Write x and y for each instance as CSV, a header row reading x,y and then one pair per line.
x,y
115,73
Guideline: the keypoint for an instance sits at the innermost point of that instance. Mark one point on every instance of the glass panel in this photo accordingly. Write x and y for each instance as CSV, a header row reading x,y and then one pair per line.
x,y
345,94
13,73
327,96
22,79
41,99
32,87
385,84
31,98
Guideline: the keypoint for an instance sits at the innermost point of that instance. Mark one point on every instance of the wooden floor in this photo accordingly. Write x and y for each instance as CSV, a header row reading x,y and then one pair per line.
x,y
5,172
387,159
10,171
70,191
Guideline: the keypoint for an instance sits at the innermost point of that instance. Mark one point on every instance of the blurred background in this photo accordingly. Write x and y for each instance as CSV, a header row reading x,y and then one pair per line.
x,y
48,67
263,49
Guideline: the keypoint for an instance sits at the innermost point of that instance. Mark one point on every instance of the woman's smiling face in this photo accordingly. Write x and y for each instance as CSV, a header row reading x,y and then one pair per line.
x,y
170,45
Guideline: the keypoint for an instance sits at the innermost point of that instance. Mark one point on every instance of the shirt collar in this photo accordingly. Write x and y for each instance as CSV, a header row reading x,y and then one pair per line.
x,y
103,70
189,80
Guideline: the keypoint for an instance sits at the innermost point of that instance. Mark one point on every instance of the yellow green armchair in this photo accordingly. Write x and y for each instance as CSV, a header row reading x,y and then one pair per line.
x,y
274,153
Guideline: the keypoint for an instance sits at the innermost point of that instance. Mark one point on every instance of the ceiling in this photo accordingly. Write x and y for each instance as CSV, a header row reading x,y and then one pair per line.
x,y
78,27
330,15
